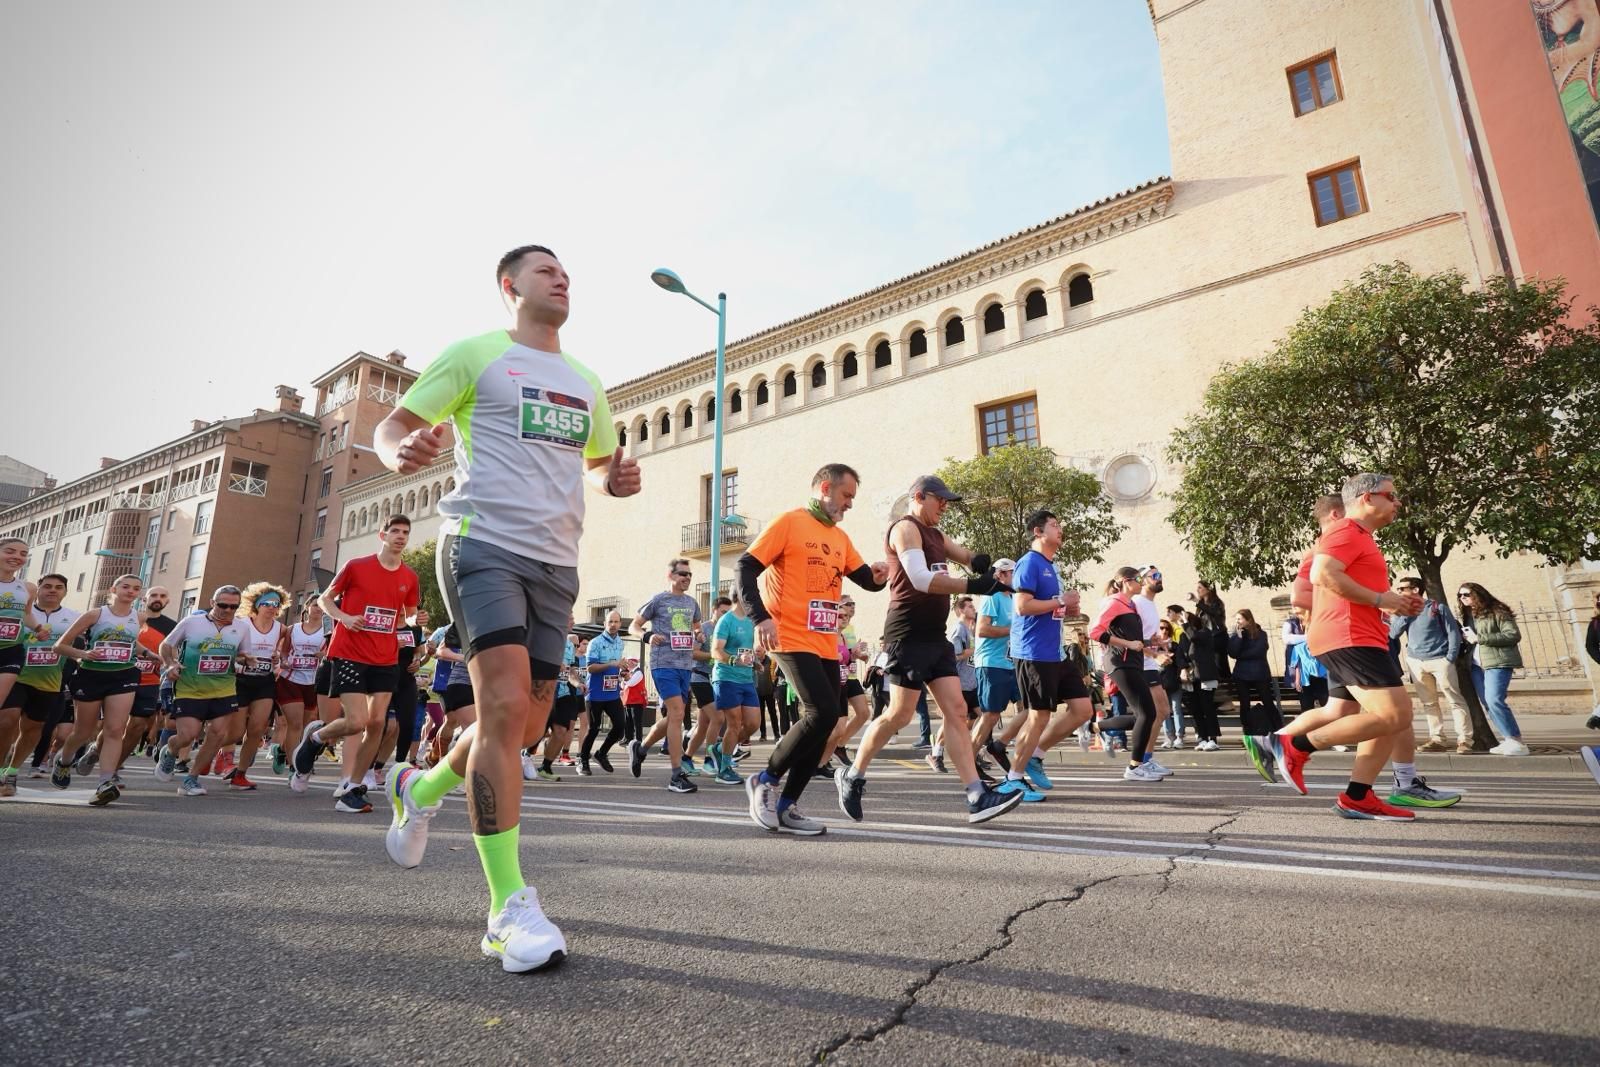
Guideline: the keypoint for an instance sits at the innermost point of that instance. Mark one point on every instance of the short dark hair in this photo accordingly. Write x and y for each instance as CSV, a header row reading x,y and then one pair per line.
x,y
723,602
832,473
1037,520
1179,608
62,578
1326,505
396,520
672,565
1414,583
512,259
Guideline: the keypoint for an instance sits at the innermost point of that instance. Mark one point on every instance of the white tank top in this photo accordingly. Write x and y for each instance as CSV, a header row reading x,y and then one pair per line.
x,y
261,646
112,641
301,666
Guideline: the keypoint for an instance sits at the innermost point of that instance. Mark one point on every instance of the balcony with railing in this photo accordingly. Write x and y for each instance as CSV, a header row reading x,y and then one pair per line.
x,y
330,447
73,527
736,533
335,401
244,483
137,501
382,395
209,483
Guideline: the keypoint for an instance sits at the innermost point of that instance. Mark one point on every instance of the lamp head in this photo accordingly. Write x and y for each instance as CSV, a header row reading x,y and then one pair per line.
x,y
668,280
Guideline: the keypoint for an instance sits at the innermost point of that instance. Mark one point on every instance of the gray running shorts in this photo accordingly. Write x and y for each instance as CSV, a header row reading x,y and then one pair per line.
x,y
498,598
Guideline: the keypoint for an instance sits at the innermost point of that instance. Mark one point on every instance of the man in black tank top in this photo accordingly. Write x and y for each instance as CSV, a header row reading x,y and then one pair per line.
x,y
919,654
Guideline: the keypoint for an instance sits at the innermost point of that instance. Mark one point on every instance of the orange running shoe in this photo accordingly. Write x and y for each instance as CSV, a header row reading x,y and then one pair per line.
x,y
1370,807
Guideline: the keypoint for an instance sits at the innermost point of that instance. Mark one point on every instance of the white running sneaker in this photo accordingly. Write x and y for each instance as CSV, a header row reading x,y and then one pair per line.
x,y
530,768
521,938
1166,742
1510,747
408,829
1164,772
1141,773
790,821
763,803
298,782
1177,742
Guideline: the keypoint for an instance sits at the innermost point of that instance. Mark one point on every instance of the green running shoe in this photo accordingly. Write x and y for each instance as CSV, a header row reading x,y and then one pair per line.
x,y
1259,749
1422,795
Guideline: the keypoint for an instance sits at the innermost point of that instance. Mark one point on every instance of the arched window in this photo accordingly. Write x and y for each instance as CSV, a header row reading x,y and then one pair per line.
x,y
688,417
762,394
388,509
622,435
351,532
819,376
411,502
666,424
1080,290
422,499
847,369
644,430
399,505
954,332
789,384
711,409
919,343
438,491
449,485
736,401
994,318
1033,307
363,515
881,356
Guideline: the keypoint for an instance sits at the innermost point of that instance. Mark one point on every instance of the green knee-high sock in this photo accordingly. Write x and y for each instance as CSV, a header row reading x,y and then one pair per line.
x,y
434,784
501,865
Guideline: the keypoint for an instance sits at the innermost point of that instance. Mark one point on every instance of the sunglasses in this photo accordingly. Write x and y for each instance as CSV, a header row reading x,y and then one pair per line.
x,y
226,607
1389,496
683,574
1464,595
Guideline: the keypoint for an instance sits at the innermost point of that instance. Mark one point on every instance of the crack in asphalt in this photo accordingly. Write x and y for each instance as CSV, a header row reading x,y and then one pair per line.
x,y
908,998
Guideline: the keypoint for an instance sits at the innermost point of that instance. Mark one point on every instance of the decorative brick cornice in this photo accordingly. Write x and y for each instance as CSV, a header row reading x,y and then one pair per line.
x,y
1009,255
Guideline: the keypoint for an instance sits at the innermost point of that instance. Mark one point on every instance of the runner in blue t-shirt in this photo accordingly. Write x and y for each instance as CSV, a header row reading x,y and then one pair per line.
x,y
997,676
1043,680
604,666
733,676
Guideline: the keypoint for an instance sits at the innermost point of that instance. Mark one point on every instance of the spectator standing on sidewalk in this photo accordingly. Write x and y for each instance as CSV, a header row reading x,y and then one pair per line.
x,y
1591,645
1491,628
1433,641
1200,680
1252,677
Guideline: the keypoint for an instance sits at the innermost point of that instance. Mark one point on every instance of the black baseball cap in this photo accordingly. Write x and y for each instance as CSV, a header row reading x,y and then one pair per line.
x,y
932,483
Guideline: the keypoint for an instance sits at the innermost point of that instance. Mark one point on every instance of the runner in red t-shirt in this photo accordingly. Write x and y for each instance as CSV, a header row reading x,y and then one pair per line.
x,y
1350,580
1410,789
369,600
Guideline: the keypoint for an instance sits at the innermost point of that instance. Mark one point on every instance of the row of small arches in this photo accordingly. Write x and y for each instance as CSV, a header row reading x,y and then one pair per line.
x,y
413,504
1076,291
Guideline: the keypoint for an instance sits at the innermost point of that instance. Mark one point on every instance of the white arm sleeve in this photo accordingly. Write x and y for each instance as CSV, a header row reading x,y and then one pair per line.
x,y
915,564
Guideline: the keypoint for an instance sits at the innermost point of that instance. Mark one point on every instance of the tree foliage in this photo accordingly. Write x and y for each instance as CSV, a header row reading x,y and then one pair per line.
x,y
1004,487
421,560
1484,405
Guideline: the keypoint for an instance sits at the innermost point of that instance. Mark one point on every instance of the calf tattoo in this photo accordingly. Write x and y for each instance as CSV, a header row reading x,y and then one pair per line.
x,y
485,820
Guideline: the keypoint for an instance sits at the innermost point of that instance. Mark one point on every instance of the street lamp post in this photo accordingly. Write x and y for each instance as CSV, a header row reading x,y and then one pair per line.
x,y
144,558
670,281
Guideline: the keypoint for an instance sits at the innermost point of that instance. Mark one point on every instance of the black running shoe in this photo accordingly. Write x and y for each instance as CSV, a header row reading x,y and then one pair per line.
x,y
992,805
998,751
635,758
605,764
307,751
850,791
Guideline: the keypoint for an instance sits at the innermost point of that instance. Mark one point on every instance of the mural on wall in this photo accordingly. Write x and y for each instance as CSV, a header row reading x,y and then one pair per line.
x,y
1570,31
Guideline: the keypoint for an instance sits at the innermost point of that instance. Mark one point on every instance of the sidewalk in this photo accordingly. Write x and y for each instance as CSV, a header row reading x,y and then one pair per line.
x,y
1553,739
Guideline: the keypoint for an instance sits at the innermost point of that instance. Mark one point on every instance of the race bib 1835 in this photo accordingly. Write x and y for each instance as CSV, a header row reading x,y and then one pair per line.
x,y
554,418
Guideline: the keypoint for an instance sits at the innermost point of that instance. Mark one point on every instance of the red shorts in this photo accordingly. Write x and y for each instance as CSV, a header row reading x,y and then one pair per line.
x,y
294,693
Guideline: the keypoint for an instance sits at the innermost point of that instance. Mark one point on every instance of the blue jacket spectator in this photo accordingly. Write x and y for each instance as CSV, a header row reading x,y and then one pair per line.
x,y
1433,634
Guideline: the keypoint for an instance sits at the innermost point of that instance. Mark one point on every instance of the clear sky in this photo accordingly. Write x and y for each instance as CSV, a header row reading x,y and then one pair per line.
x,y
204,199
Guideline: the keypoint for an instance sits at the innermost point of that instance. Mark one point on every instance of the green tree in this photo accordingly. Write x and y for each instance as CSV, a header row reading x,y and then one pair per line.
x,y
1483,404
1005,486
421,560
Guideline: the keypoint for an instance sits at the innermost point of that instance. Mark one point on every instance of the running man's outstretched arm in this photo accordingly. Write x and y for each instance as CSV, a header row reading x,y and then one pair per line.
x,y
907,544
407,442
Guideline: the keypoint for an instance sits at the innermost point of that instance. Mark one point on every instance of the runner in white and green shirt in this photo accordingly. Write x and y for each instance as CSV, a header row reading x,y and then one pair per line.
x,y
531,424
199,654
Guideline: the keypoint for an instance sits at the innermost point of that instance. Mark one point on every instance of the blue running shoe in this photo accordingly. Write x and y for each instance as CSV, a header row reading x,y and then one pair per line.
x,y
1011,785
728,776
1035,772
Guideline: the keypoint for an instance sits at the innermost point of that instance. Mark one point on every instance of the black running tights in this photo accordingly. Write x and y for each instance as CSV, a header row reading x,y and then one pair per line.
x,y
816,683
611,709
1135,690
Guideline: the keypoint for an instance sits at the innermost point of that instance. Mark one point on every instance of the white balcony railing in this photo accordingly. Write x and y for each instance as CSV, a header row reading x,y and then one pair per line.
x,y
243,483
383,396
209,484
137,501
337,400
183,491
75,526
329,448
94,522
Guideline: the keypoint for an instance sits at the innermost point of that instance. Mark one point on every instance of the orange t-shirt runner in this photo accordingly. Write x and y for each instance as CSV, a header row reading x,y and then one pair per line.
x,y
805,563
1340,623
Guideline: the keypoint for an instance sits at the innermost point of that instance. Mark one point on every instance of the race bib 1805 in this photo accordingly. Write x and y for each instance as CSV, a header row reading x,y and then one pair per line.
x,y
554,418
111,652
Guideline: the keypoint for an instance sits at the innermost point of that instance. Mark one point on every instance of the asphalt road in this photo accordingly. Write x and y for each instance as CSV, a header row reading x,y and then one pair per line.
x,y
1206,919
